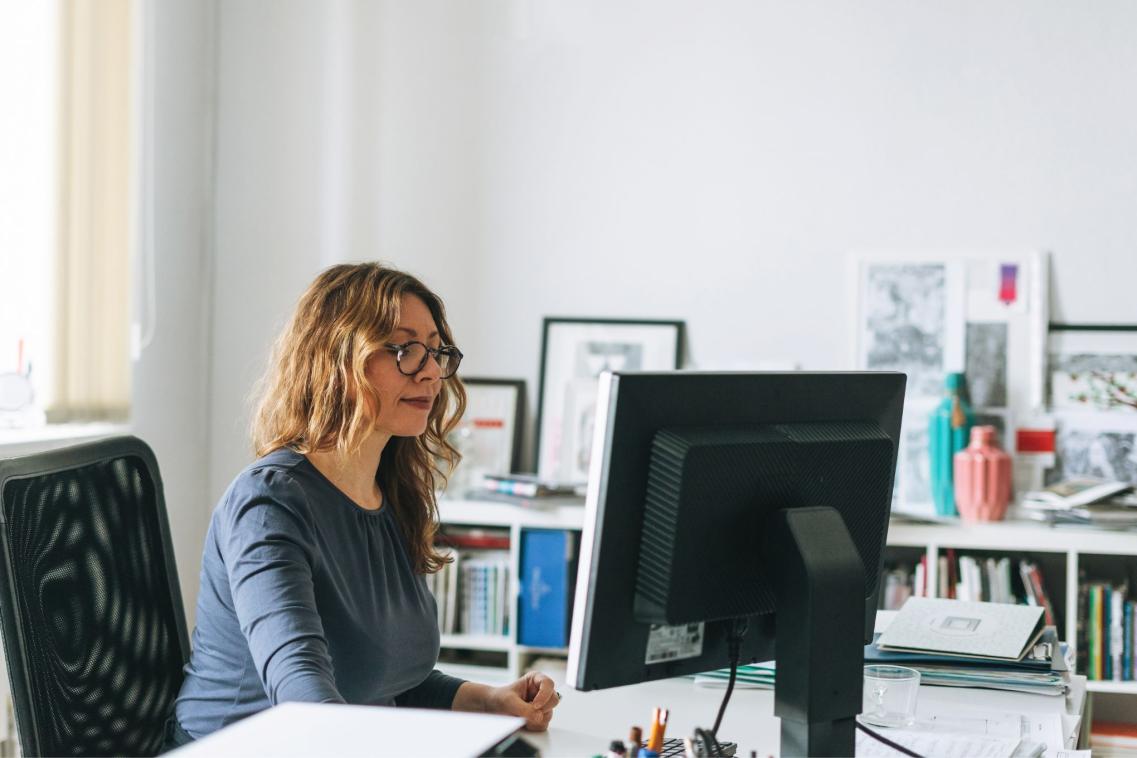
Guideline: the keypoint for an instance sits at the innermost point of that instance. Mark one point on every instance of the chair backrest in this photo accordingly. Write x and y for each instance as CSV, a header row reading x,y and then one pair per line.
x,y
93,625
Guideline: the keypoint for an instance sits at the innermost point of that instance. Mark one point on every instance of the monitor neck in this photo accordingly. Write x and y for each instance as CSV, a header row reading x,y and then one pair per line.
x,y
819,585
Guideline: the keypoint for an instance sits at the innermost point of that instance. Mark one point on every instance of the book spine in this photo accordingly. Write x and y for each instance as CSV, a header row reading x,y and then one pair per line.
x,y
1116,636
1028,585
990,582
1107,632
1082,653
1098,617
1005,580
1043,597
1127,643
953,576
964,588
1133,640
1091,632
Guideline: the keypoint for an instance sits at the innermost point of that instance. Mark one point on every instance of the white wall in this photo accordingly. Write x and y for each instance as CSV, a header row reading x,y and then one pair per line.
x,y
171,376
340,137
711,162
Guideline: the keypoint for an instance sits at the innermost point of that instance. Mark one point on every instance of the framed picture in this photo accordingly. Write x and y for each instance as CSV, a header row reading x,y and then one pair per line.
x,y
574,352
489,435
1102,445
928,313
1093,367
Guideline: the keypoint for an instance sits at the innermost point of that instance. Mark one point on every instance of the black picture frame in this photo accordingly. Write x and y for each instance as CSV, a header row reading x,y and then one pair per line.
x,y
574,350
491,404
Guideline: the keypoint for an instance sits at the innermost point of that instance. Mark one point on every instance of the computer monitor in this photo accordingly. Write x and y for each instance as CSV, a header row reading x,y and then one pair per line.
x,y
722,499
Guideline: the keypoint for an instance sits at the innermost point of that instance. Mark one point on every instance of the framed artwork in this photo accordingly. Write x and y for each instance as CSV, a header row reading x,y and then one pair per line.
x,y
1093,367
1093,401
489,435
574,352
928,313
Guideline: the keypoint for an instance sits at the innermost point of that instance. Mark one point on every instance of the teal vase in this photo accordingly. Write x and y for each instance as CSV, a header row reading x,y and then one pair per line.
x,y
949,429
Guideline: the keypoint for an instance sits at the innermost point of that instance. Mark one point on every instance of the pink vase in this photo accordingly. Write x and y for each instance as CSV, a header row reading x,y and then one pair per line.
x,y
982,474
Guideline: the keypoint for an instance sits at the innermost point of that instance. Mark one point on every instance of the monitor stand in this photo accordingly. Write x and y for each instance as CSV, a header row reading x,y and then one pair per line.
x,y
819,585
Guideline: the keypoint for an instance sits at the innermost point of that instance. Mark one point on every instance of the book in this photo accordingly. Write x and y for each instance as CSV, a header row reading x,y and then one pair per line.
x,y
526,485
525,501
1106,736
1035,589
1074,492
995,631
548,576
459,537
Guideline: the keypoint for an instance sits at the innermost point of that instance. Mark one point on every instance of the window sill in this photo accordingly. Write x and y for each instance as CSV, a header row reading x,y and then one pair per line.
x,y
14,442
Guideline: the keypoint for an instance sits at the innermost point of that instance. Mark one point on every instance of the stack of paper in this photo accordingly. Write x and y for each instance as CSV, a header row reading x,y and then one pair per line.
x,y
759,676
963,644
960,731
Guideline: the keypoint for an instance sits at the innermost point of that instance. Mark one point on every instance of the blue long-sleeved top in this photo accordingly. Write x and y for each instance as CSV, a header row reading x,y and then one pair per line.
x,y
306,596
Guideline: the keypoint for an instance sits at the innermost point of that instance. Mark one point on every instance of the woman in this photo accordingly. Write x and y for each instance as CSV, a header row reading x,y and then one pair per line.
x,y
312,583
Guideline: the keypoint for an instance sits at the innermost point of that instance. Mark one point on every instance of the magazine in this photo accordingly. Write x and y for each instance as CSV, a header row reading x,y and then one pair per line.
x,y
1074,492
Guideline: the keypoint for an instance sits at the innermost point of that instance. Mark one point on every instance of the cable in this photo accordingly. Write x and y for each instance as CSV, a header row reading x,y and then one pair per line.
x,y
738,629
886,741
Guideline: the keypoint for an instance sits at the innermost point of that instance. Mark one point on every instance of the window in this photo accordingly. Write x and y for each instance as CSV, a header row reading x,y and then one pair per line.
x,y
66,143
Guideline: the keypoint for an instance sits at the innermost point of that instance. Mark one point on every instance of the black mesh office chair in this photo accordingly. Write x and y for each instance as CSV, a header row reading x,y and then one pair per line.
x,y
93,625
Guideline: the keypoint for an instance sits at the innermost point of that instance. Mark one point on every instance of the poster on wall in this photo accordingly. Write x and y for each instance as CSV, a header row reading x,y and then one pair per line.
x,y
489,434
929,314
1093,399
574,352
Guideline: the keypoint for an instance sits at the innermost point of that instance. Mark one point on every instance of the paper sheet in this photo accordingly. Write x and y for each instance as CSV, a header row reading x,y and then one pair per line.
x,y
299,730
942,745
1047,729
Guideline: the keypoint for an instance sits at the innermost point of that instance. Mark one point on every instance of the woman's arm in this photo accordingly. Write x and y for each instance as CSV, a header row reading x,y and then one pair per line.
x,y
268,554
436,691
533,697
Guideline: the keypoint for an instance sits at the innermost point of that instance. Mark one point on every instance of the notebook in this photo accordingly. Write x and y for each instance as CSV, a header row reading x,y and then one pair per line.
x,y
995,631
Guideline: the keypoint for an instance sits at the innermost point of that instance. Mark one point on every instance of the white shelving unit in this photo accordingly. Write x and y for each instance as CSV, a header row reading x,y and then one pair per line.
x,y
515,519
1067,544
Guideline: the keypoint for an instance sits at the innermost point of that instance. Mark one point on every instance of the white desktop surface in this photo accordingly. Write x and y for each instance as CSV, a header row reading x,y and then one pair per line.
x,y
585,722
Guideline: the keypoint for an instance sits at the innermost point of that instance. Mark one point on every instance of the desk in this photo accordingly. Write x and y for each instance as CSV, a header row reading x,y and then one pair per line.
x,y
585,722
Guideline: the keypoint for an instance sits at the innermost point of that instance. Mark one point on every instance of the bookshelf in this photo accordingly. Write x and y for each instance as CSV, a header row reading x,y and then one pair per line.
x,y
1065,554
1061,552
501,658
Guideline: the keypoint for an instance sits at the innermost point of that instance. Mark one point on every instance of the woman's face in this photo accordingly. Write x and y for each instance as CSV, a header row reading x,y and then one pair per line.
x,y
406,401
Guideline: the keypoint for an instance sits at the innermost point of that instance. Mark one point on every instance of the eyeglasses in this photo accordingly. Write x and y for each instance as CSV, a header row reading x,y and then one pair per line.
x,y
410,357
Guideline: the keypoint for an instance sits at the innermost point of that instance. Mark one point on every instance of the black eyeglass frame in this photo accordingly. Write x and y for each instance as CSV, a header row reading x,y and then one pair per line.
x,y
450,351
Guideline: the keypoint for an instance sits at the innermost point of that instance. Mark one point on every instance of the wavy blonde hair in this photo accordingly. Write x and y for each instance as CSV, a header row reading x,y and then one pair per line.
x,y
315,395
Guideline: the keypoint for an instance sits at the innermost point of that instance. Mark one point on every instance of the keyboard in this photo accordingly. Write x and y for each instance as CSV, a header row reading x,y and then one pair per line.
x,y
673,748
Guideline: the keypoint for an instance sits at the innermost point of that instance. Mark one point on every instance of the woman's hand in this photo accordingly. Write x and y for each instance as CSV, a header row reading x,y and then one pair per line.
x,y
532,697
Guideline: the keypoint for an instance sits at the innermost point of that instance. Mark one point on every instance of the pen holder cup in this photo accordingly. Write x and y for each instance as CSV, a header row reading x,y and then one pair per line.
x,y
890,695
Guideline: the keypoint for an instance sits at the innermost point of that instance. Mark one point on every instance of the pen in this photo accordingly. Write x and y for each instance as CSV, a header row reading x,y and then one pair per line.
x,y
658,727
635,737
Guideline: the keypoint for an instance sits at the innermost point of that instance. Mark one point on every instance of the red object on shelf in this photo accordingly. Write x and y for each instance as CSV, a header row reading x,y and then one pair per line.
x,y
982,478
1034,441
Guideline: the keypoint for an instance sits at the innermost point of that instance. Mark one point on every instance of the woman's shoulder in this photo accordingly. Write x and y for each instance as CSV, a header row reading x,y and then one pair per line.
x,y
274,479
269,497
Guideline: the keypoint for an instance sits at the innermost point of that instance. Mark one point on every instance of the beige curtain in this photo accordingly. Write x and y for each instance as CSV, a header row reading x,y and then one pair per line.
x,y
93,266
